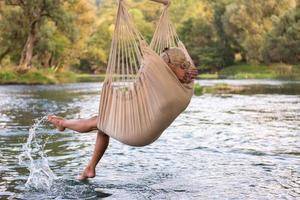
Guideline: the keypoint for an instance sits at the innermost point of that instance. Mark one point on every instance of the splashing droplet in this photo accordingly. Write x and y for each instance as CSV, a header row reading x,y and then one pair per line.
x,y
41,176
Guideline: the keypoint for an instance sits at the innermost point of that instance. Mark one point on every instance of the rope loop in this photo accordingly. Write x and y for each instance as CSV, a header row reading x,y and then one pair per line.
x,y
125,55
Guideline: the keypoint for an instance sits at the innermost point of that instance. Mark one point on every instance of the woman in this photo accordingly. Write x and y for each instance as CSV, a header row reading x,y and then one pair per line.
x,y
176,60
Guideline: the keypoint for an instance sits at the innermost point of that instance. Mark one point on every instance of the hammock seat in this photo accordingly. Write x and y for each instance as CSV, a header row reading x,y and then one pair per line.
x,y
141,96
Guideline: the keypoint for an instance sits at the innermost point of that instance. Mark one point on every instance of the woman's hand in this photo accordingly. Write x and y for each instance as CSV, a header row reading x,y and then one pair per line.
x,y
185,75
192,73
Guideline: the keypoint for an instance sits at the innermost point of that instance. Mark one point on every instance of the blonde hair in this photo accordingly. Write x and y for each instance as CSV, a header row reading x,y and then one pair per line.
x,y
175,56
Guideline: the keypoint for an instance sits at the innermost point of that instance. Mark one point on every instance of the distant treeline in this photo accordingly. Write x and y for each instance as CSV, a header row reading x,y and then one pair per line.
x,y
77,33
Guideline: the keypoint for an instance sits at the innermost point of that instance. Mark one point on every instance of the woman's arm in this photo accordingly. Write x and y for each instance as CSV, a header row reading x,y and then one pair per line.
x,y
165,2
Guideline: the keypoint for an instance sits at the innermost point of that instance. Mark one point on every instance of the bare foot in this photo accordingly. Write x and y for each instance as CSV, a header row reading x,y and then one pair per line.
x,y
57,121
89,172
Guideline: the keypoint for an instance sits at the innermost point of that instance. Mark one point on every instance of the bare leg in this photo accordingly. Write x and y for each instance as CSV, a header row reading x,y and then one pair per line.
x,y
100,148
80,125
83,126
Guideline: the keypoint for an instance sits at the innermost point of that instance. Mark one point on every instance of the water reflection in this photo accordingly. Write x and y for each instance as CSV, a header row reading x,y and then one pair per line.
x,y
229,146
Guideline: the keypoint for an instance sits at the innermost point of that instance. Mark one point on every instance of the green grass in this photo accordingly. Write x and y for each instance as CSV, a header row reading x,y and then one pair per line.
x,y
198,89
247,71
36,76
241,71
90,77
209,76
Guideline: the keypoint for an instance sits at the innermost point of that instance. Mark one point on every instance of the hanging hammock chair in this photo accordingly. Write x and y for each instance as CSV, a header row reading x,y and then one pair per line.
x,y
141,96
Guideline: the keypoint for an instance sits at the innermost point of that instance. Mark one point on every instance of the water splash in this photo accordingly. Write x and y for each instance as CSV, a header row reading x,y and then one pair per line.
x,y
41,176
42,181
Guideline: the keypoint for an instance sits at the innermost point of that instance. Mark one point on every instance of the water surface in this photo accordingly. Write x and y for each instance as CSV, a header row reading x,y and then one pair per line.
x,y
222,147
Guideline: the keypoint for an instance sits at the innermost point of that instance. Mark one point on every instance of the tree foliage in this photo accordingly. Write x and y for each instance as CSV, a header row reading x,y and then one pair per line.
x,y
249,21
283,42
77,33
205,36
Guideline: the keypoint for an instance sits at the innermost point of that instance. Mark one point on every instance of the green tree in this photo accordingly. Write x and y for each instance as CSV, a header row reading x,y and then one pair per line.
x,y
283,42
205,36
249,21
95,56
225,46
12,36
85,23
34,13
50,48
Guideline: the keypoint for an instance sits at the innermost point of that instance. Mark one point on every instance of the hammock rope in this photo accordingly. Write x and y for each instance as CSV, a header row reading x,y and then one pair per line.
x,y
141,96
165,35
125,55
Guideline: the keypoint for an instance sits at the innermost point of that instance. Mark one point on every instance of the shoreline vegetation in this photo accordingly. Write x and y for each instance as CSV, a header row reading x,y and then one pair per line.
x,y
75,37
247,71
8,76
240,71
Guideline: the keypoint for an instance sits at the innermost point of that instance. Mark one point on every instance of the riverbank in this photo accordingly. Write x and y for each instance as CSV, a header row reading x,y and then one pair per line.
x,y
36,77
46,77
241,71
246,71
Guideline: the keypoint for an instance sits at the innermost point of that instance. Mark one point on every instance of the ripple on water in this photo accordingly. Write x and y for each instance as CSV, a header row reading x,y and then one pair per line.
x,y
66,189
221,147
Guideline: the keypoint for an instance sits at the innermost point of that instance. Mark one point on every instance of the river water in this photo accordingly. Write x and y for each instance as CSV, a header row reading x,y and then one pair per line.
x,y
233,146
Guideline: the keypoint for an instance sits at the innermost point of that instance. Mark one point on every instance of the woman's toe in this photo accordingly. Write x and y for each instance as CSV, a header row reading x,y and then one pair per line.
x,y
49,118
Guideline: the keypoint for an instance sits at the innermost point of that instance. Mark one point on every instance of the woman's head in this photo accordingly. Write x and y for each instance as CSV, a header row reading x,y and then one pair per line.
x,y
178,63
175,57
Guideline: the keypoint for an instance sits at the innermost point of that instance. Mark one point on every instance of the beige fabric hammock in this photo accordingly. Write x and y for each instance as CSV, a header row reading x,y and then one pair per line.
x,y
141,96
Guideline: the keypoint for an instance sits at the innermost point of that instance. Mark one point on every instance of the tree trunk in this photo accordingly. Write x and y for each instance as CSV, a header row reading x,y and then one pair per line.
x,y
27,52
2,55
46,59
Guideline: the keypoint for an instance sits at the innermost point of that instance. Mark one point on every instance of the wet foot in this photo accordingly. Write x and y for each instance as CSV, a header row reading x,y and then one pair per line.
x,y
88,172
57,121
